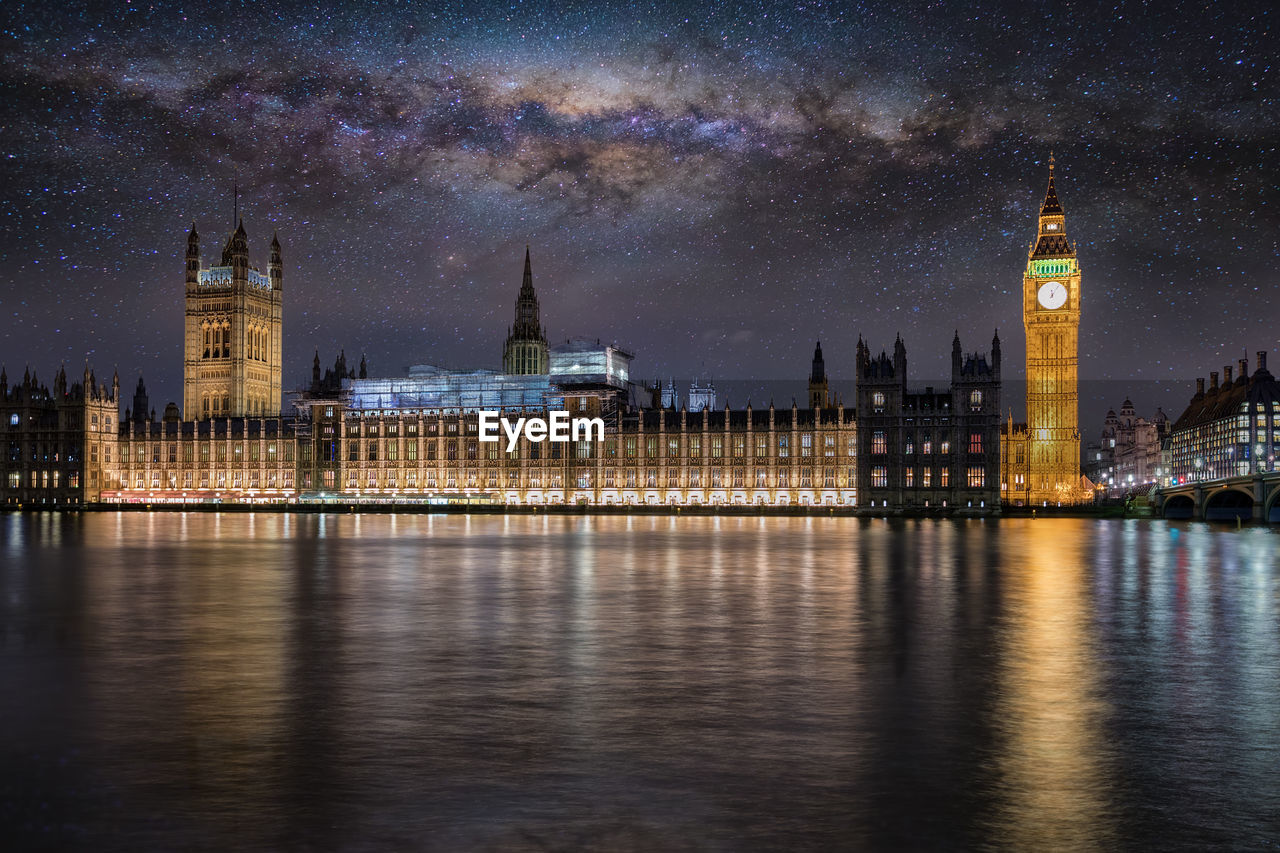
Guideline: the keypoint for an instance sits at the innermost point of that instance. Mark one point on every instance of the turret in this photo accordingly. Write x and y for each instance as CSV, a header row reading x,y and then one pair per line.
x,y
315,370
236,254
364,369
193,257
819,394
275,267
141,405
957,360
995,354
900,360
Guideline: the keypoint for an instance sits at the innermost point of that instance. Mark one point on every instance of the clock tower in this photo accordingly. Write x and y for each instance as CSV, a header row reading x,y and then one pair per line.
x,y
1051,319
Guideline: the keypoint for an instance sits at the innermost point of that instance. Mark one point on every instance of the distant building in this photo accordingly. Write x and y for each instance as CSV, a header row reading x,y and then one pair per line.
x,y
928,448
702,395
1127,456
1230,429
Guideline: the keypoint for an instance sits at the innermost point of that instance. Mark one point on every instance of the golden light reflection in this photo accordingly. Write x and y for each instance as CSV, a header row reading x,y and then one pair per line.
x,y
207,646
1051,754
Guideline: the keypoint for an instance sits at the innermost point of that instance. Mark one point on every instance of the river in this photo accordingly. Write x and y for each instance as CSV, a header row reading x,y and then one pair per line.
x,y
448,682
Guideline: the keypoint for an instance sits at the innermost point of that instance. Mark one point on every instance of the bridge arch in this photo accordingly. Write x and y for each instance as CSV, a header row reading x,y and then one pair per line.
x,y
1179,507
1271,507
1228,504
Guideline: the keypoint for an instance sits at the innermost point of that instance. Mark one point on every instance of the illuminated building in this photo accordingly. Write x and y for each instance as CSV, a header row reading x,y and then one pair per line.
x,y
1041,459
233,347
1228,430
928,448
414,439
1128,456
59,444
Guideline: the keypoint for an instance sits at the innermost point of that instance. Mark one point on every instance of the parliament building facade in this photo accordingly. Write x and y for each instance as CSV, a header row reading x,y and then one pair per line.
x,y
352,438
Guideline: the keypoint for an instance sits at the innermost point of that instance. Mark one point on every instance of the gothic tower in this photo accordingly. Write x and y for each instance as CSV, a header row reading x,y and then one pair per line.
x,y
525,351
232,356
1051,317
819,395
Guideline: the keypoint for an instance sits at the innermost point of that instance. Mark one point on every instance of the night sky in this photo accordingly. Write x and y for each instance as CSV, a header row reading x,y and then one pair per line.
x,y
713,186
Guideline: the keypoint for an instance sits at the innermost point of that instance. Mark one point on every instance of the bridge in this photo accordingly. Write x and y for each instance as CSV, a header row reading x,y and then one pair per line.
x,y
1250,497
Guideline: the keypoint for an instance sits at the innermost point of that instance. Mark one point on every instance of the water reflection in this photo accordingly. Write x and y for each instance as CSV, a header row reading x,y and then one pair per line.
x,y
1055,778
524,682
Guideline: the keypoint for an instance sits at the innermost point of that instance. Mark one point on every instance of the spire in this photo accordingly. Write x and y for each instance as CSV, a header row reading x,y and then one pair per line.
x,y
1051,237
275,267
141,404
525,351
1051,205
193,256
819,395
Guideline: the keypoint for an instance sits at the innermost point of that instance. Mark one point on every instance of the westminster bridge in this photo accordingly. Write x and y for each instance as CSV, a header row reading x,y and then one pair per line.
x,y
1250,497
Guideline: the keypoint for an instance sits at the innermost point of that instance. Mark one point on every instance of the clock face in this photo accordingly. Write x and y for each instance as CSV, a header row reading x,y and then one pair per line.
x,y
1052,294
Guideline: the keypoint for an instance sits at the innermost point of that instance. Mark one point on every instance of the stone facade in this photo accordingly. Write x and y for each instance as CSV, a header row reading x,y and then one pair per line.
x,y
1228,430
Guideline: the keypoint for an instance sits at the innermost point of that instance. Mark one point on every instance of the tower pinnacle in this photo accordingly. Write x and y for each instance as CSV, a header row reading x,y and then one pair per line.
x,y
526,350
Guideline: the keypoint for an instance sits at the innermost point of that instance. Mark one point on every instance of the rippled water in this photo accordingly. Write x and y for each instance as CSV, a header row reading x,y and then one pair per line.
x,y
194,681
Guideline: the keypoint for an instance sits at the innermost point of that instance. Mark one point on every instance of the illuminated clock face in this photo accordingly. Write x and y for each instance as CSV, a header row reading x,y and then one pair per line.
x,y
1052,294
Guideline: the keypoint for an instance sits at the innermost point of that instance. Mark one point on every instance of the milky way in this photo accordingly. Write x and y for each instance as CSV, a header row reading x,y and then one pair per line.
x,y
712,186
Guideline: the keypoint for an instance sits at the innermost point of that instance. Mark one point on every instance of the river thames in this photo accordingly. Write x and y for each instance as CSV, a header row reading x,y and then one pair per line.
x,y
359,682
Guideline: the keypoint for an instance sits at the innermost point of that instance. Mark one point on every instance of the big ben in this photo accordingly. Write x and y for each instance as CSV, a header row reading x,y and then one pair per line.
x,y
1051,319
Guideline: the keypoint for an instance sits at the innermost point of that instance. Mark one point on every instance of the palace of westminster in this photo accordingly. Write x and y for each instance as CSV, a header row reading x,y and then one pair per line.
x,y
355,439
